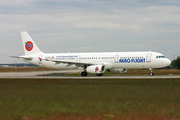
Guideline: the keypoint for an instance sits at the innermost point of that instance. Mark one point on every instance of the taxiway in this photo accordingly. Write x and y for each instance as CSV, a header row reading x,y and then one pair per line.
x,y
52,74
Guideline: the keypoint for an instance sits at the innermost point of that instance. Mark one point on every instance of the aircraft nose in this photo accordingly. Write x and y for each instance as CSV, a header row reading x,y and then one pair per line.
x,y
168,62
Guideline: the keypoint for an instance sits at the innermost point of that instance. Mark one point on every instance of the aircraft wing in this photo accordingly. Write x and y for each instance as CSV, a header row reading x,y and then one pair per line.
x,y
78,64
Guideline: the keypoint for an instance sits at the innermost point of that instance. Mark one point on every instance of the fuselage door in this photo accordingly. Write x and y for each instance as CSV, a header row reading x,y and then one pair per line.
x,y
78,58
148,57
116,59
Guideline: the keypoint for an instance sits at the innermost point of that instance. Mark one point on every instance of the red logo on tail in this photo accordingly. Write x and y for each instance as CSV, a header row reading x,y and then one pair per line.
x,y
28,45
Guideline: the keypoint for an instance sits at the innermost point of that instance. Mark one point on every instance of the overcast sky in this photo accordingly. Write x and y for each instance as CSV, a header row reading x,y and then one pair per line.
x,y
90,26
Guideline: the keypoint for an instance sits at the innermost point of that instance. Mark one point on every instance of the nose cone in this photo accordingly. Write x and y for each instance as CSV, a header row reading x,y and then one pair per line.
x,y
168,62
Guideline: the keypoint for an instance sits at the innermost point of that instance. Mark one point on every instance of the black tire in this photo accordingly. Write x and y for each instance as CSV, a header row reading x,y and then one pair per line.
x,y
83,73
152,74
99,74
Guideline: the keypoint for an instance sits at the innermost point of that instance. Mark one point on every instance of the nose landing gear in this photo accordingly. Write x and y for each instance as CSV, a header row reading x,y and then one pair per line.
x,y
151,74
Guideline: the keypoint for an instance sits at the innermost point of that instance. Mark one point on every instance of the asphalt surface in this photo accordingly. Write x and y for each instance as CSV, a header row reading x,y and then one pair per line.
x,y
52,74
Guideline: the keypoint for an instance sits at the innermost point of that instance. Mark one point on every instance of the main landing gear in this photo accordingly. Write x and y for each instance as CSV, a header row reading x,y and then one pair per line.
x,y
151,74
99,74
84,73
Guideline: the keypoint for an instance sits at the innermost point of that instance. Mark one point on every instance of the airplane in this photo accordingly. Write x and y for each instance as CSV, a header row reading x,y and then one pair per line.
x,y
97,63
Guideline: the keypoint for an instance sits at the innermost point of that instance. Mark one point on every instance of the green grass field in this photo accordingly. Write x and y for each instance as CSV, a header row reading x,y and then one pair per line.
x,y
35,99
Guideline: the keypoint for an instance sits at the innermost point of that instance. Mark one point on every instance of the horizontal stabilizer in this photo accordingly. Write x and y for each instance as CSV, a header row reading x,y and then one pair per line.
x,y
23,57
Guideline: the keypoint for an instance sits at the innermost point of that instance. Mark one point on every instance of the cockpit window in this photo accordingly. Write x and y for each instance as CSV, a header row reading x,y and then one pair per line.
x,y
160,57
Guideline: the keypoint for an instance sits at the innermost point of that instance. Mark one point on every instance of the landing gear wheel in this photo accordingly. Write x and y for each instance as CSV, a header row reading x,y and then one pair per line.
x,y
83,73
152,74
99,74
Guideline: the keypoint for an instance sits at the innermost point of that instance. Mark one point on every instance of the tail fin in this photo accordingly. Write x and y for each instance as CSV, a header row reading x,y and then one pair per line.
x,y
29,45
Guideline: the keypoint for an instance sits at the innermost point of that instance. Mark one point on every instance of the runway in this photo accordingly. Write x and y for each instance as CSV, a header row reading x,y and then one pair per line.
x,y
51,74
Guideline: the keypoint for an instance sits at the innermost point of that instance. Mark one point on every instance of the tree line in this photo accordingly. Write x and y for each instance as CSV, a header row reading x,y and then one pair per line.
x,y
176,63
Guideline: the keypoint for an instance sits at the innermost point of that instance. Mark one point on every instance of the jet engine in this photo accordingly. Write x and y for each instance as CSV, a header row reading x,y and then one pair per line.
x,y
98,69
117,70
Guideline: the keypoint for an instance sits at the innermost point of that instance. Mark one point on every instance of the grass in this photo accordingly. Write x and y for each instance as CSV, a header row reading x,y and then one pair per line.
x,y
111,99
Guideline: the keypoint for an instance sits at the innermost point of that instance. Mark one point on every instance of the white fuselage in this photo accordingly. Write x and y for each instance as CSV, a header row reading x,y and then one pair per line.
x,y
110,60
